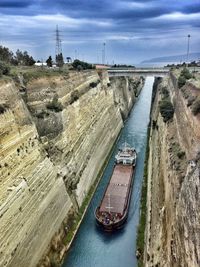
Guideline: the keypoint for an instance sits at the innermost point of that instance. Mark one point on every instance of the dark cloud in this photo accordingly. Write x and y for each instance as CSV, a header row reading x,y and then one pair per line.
x,y
102,9
192,8
14,4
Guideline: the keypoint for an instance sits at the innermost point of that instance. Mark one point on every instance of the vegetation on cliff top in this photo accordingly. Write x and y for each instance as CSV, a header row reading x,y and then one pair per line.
x,y
193,100
19,58
4,68
81,65
184,76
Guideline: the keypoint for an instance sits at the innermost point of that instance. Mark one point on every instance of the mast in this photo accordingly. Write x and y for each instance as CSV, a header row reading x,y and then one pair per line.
x,y
109,207
109,202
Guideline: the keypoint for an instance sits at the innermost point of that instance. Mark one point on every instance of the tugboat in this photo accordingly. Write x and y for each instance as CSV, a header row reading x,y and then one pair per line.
x,y
113,209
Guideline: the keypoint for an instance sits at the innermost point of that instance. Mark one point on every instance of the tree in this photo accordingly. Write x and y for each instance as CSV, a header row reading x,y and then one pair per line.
x,y
28,60
5,54
49,61
81,65
19,57
23,58
59,60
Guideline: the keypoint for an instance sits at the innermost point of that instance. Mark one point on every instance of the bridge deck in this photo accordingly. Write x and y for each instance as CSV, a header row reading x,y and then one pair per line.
x,y
144,72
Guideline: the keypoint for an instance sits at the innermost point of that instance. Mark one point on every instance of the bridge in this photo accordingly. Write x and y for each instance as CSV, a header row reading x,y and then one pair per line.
x,y
161,72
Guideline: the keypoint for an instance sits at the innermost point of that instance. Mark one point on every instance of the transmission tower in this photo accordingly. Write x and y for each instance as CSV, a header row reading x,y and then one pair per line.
x,y
58,43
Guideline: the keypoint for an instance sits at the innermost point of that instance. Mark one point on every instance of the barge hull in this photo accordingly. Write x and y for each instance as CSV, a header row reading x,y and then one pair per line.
x,y
117,197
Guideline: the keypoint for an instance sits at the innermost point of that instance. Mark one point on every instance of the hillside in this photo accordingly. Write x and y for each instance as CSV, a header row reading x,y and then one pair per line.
x,y
175,58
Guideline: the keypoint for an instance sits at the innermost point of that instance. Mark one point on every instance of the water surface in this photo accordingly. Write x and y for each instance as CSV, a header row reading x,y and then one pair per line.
x,y
92,247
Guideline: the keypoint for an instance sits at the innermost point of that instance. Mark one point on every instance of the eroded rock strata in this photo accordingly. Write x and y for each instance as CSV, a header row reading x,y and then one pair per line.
x,y
55,133
173,218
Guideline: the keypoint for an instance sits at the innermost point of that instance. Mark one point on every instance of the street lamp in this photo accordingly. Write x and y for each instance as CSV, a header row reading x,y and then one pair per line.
x,y
104,54
188,48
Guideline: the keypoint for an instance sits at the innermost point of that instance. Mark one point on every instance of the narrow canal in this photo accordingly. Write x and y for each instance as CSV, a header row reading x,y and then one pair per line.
x,y
92,247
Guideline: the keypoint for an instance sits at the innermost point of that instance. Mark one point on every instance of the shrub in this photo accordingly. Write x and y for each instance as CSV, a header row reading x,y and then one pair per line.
x,y
181,81
196,106
79,68
180,154
55,105
185,75
42,114
185,92
3,108
93,84
165,92
81,65
74,96
4,68
191,100
166,110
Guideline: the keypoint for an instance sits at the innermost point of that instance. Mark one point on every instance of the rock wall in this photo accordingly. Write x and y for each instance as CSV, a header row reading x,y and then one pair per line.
x,y
55,134
33,199
173,218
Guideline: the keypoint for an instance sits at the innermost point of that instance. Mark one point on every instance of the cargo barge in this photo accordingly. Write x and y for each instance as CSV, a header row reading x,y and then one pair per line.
x,y
113,209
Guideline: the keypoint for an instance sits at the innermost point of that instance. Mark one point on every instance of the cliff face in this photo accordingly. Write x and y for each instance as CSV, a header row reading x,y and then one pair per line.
x,y
173,218
33,199
55,134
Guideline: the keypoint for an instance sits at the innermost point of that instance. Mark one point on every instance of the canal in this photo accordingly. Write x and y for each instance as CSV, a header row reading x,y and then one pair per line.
x,y
93,247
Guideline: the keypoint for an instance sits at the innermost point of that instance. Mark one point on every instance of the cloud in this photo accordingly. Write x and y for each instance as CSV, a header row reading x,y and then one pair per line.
x,y
134,5
178,16
48,22
125,25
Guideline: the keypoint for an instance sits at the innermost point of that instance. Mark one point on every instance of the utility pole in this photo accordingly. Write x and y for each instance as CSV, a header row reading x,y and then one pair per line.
x,y
75,54
188,48
104,54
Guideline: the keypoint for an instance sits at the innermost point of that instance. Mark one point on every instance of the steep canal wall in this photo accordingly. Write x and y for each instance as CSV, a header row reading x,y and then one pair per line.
x,y
173,199
55,134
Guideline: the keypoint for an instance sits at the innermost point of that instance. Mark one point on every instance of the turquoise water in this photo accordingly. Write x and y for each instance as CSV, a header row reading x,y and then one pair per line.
x,y
92,247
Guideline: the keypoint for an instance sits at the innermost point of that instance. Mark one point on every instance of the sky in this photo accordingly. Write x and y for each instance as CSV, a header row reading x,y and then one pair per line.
x,y
133,31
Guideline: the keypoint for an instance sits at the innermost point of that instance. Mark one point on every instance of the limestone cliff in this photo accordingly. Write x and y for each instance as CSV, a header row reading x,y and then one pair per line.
x,y
55,133
173,218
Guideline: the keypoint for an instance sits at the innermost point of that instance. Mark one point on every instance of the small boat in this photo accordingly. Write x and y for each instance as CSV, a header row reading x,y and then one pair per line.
x,y
113,209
